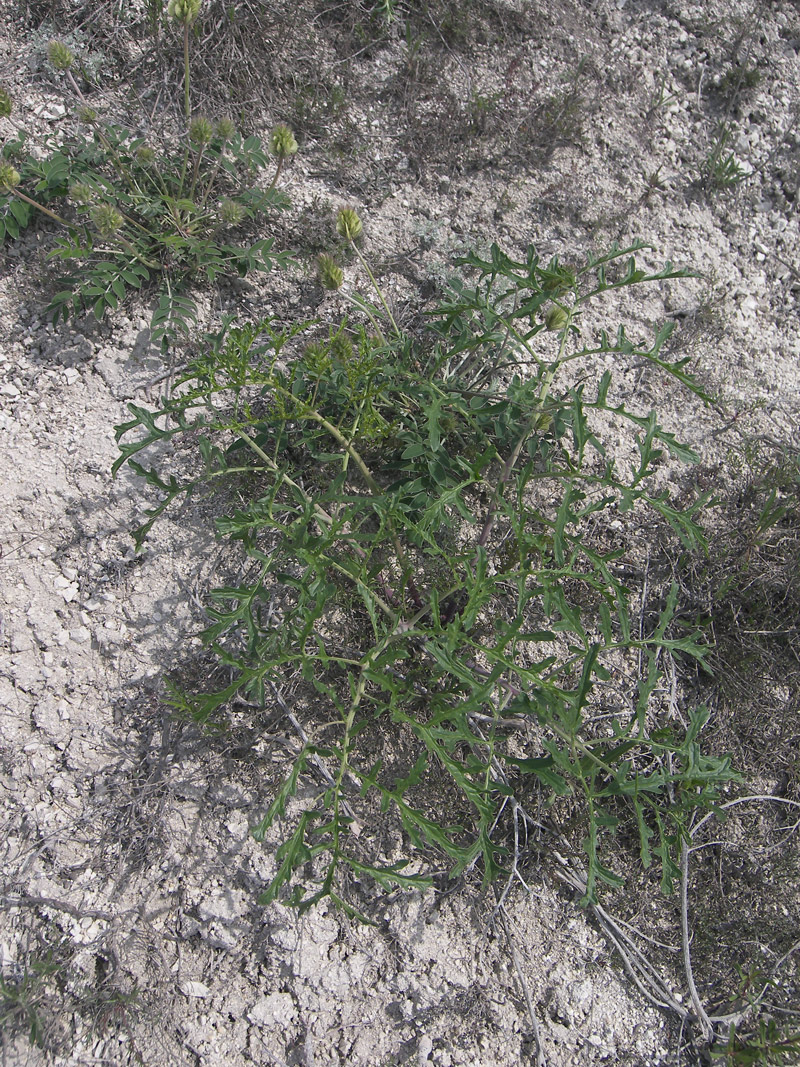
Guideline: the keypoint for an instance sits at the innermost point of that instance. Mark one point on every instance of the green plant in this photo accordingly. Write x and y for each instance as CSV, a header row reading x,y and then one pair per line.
x,y
721,170
23,997
140,213
422,509
660,98
738,80
768,1043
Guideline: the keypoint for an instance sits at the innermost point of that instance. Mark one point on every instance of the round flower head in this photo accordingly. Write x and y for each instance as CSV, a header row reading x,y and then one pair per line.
x,y
341,348
230,212
6,103
348,224
282,142
330,273
200,131
225,129
81,193
106,219
9,177
145,155
185,11
87,115
556,318
59,55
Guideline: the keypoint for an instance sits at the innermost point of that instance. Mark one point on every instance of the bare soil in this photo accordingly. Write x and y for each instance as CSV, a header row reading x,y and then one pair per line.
x,y
130,931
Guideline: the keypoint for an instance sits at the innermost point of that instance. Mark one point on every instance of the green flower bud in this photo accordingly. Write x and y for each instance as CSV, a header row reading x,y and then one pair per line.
x,y
200,131
556,318
348,224
185,11
59,55
330,273
282,142
81,193
87,115
9,177
107,219
6,103
145,155
230,212
225,129
341,348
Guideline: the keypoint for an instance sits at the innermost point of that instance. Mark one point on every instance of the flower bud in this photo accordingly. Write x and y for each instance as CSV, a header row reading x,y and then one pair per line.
x,y
341,348
556,318
59,55
348,224
145,155
107,219
225,129
81,193
282,142
87,114
9,177
330,273
6,103
200,131
230,212
185,11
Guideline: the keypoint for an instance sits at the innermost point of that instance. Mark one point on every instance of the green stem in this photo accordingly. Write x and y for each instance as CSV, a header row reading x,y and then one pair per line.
x,y
39,207
186,104
363,307
212,179
509,464
320,513
195,170
133,251
376,287
258,204
366,474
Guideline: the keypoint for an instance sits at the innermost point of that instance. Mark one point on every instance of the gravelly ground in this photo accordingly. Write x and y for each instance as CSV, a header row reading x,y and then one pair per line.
x,y
127,859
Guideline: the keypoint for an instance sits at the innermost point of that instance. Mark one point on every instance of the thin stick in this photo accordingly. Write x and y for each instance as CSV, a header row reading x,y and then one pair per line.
x,y
700,1011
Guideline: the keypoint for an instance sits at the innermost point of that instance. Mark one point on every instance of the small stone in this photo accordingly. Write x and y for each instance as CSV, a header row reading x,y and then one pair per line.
x,y
276,1010
194,989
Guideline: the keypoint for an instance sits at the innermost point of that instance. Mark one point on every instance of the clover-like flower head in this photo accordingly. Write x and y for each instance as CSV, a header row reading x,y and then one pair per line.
x,y
348,224
230,212
185,11
330,273
87,114
200,131
61,57
225,129
282,142
81,193
9,177
107,220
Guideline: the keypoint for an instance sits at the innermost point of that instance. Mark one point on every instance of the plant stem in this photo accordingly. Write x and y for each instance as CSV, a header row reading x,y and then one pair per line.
x,y
376,287
39,207
132,249
195,170
187,110
361,305
321,515
508,466
258,204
